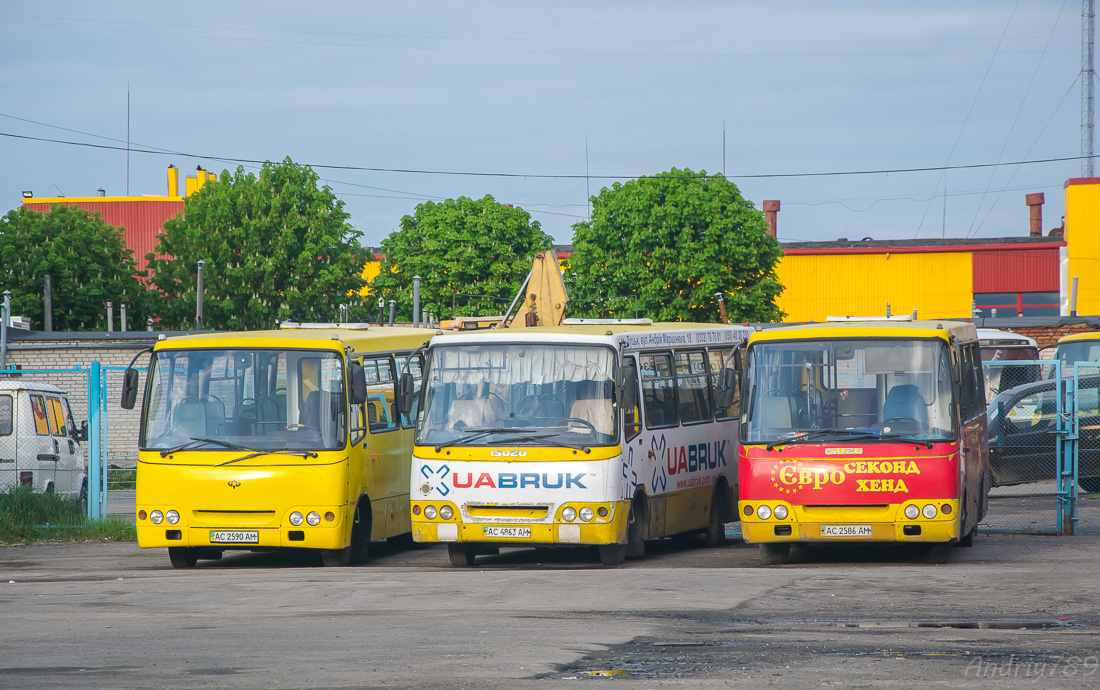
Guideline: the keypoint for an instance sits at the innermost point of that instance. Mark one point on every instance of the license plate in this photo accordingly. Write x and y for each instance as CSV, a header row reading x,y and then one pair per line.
x,y
507,532
234,537
845,530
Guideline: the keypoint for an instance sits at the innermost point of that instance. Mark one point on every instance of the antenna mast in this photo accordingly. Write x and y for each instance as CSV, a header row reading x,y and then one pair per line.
x,y
1088,76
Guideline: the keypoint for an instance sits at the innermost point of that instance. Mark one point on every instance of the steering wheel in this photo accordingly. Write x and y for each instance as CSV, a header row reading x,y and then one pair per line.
x,y
590,425
296,427
901,418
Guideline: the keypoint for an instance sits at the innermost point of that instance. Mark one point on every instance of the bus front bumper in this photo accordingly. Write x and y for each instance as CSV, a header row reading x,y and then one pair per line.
x,y
610,529
849,524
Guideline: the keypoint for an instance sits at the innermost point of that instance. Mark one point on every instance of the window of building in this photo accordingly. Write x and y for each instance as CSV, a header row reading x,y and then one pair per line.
x,y
1018,303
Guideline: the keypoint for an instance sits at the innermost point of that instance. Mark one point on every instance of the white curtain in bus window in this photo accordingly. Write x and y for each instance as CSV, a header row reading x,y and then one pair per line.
x,y
512,364
658,390
691,383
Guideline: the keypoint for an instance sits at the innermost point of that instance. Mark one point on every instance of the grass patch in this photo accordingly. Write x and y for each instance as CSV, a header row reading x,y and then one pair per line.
x,y
119,479
27,517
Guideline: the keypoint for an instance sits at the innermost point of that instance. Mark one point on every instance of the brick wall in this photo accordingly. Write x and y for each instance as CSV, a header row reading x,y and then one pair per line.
x,y
70,351
1049,335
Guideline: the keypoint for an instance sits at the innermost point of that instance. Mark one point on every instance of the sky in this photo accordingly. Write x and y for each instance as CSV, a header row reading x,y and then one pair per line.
x,y
542,104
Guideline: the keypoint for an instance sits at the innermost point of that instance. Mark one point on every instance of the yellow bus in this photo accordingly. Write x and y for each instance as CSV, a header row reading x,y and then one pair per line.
x,y
600,434
863,432
285,439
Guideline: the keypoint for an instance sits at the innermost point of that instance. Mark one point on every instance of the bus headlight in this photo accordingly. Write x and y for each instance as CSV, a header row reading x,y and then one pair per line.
x,y
172,516
763,512
781,512
430,512
929,511
314,518
912,512
156,517
587,514
446,512
569,515
296,518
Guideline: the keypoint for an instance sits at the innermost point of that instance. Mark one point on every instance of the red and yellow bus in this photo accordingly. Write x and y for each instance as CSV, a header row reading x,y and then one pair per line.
x,y
863,431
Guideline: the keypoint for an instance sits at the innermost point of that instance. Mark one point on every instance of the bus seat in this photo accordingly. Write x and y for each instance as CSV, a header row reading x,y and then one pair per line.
x,y
777,410
309,414
593,408
470,413
905,401
190,419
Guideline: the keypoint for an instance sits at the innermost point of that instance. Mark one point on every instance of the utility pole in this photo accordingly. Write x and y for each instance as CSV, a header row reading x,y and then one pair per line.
x,y
1088,77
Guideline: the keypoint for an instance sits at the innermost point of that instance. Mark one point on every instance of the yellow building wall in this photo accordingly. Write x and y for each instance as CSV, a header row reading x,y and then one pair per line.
x,y
1083,244
937,285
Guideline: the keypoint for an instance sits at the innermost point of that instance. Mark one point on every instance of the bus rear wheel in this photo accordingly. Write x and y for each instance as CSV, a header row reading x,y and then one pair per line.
x,y
461,555
774,554
182,557
716,526
613,554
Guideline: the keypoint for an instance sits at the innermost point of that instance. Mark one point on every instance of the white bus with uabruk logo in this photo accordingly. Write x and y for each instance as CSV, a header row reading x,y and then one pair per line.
x,y
589,434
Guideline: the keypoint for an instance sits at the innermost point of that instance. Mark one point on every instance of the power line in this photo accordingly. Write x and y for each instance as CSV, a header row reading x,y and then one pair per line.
x,y
547,176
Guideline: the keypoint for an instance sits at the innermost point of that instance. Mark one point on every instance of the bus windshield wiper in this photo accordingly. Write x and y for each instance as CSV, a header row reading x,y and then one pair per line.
x,y
480,432
195,440
814,434
545,438
275,451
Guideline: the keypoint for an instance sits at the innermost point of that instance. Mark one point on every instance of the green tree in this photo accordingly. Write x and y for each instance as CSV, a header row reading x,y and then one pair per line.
x,y
276,247
673,241
473,254
87,261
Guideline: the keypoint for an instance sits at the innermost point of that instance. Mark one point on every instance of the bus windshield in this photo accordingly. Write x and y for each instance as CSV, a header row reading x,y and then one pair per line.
x,y
1078,351
542,394
834,390
255,399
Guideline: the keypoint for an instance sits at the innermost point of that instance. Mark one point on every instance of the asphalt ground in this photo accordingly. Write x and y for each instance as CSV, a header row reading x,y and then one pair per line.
x,y
1013,611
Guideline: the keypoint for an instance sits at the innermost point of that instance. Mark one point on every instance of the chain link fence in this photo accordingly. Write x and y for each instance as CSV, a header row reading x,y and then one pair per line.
x,y
1085,377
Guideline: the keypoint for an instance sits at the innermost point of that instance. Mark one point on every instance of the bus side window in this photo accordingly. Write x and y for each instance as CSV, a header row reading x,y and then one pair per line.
x,y
416,368
692,388
379,406
6,409
658,390
632,420
719,360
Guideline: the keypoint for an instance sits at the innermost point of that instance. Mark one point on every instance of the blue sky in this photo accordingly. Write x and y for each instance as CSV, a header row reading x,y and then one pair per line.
x,y
553,92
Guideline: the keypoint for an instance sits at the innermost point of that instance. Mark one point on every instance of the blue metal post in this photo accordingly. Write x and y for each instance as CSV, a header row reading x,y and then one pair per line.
x,y
95,427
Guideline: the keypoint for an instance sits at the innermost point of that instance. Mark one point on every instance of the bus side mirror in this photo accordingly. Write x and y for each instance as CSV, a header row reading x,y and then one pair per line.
x,y
357,384
406,389
129,389
630,386
727,388
81,434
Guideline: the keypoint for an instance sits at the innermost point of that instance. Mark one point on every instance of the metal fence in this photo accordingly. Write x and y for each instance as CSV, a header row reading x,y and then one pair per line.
x,y
1044,447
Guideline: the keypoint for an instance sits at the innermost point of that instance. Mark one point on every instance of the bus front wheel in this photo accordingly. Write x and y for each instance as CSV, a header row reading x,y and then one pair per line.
x,y
461,555
336,558
635,530
774,554
612,554
182,557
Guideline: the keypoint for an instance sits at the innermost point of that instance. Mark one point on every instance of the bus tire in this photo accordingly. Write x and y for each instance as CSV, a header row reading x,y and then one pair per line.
x,y
937,553
360,532
182,556
612,554
966,540
336,558
716,525
774,554
462,555
635,529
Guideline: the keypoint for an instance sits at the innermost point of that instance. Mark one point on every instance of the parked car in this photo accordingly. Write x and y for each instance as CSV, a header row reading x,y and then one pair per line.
x,y
1006,346
1022,442
39,444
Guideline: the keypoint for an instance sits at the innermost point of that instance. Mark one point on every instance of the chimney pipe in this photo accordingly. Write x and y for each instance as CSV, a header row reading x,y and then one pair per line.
x,y
1035,201
771,208
173,181
101,192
